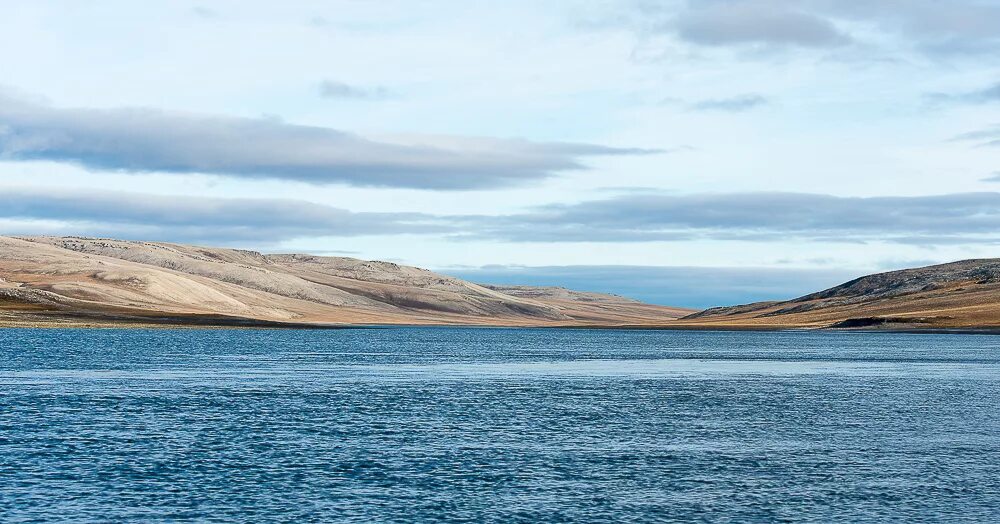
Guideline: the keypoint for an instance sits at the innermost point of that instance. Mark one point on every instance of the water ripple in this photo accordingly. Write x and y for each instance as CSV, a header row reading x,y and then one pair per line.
x,y
453,425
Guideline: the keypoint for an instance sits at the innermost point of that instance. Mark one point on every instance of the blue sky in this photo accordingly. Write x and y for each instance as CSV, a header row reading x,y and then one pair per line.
x,y
624,146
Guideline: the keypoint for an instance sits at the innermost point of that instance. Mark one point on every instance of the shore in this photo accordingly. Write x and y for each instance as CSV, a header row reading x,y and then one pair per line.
x,y
88,320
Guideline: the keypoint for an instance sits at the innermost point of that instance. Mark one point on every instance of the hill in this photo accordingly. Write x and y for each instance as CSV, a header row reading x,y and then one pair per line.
x,y
958,295
91,281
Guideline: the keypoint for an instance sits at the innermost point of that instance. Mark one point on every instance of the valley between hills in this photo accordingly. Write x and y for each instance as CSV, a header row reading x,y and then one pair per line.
x,y
94,282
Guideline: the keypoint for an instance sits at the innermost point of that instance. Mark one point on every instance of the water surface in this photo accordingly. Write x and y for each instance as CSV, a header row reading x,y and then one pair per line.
x,y
444,424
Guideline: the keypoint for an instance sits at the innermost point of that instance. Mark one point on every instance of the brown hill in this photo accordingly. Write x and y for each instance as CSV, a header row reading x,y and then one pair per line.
x,y
88,281
959,295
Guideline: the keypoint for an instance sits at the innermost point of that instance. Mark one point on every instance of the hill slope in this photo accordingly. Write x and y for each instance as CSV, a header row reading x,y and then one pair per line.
x,y
45,280
964,295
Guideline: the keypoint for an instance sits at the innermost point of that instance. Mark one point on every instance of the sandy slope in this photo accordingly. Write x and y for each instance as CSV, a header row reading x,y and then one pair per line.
x,y
959,295
86,281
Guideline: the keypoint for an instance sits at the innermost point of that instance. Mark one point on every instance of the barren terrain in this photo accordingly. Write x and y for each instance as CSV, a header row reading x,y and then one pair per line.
x,y
75,281
961,295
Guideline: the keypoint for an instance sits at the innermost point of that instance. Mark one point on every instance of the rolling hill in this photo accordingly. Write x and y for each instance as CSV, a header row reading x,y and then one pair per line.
x,y
77,281
91,281
958,295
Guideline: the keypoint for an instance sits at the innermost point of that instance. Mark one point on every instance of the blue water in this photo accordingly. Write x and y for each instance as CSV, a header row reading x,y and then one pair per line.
x,y
413,425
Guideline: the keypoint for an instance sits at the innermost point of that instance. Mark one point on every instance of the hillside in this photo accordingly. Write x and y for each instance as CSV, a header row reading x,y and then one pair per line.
x,y
959,295
88,281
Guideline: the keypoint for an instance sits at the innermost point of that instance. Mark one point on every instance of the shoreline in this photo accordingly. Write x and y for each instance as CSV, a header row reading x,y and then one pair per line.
x,y
99,321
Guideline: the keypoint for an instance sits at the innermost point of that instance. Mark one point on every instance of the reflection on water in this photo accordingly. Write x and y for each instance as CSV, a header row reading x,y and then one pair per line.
x,y
497,424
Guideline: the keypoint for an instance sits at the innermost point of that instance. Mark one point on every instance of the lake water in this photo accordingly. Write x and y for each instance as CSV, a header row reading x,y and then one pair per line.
x,y
529,425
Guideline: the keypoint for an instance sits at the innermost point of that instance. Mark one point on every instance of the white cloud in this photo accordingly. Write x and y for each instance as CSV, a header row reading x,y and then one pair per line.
x,y
145,140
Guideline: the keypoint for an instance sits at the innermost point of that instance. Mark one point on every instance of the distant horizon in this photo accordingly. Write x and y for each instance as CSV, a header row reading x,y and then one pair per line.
x,y
689,287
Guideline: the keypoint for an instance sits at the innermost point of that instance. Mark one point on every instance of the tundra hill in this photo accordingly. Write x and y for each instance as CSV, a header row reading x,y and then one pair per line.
x,y
90,281
958,295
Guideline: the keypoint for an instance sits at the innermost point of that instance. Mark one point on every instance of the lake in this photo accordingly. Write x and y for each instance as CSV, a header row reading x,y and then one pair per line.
x,y
511,425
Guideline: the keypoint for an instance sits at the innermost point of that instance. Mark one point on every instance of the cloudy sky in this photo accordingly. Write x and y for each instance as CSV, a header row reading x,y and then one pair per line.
x,y
692,153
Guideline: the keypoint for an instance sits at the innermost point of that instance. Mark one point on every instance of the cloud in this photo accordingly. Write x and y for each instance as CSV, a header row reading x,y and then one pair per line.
x,y
988,94
988,137
694,287
755,23
991,132
985,95
964,218
198,219
752,216
150,140
319,21
925,27
205,12
962,27
333,89
995,177
734,104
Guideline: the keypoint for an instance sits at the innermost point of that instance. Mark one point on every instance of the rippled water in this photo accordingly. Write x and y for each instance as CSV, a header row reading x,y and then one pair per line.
x,y
411,425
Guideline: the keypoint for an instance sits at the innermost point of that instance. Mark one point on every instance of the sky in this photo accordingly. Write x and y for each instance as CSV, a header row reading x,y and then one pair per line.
x,y
688,153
